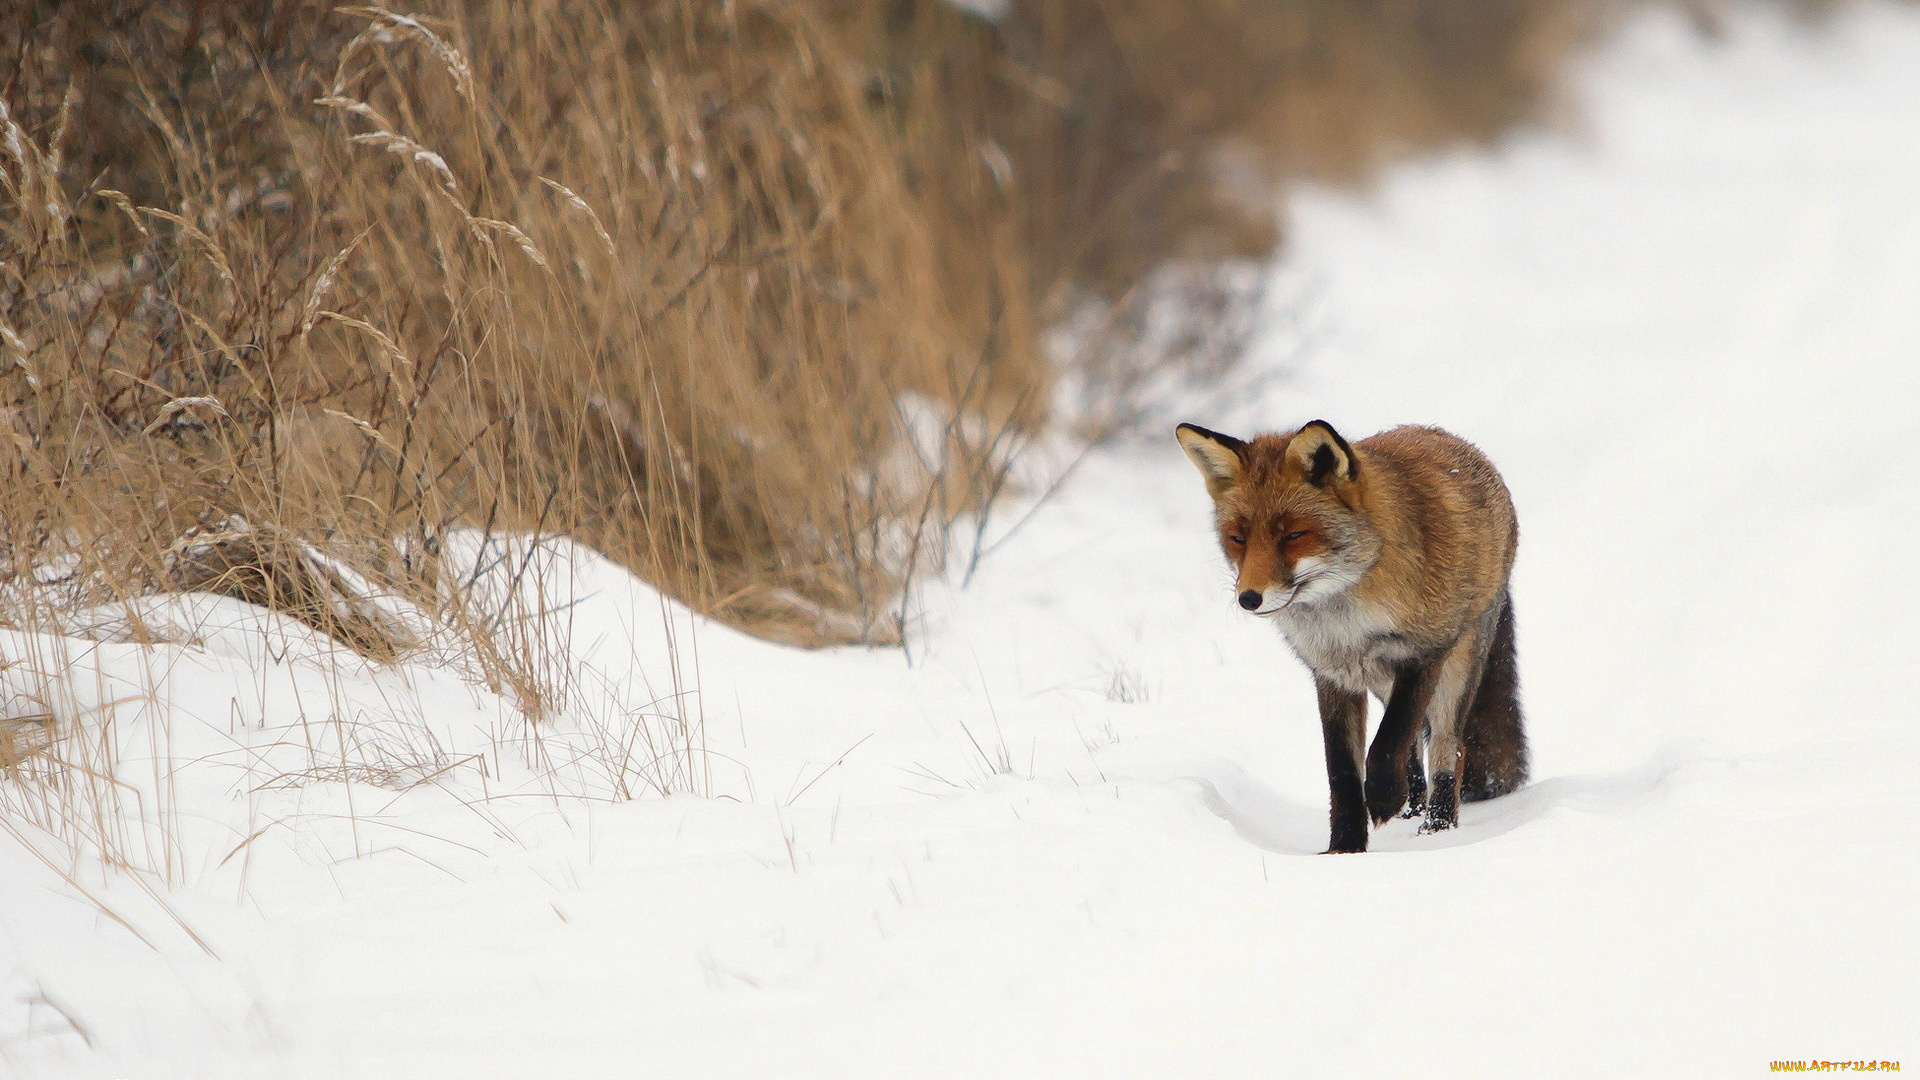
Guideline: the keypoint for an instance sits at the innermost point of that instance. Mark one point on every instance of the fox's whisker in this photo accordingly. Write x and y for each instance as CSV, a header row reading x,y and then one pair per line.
x,y
1294,592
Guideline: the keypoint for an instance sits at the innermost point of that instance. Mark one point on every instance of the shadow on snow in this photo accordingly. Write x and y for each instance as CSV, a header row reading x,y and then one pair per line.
x,y
1267,819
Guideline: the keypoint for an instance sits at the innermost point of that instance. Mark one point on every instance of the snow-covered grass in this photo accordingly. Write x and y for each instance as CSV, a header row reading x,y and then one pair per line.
x,y
1070,831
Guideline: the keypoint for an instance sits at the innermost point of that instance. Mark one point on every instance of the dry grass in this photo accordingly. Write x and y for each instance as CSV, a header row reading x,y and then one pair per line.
x,y
24,737
750,296
93,793
635,280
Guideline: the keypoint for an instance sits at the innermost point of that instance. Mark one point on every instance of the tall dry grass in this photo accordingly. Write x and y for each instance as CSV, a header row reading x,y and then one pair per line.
x,y
291,291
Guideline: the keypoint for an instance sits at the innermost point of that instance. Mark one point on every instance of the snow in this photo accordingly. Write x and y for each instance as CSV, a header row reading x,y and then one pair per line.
x,y
1071,830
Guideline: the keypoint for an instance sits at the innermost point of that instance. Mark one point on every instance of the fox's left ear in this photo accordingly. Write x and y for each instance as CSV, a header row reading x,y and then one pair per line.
x,y
1217,456
1322,454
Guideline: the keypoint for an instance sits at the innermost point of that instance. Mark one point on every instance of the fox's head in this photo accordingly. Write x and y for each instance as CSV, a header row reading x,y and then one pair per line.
x,y
1290,513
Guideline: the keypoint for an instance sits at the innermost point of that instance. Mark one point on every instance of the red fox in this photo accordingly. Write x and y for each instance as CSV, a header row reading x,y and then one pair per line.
x,y
1385,564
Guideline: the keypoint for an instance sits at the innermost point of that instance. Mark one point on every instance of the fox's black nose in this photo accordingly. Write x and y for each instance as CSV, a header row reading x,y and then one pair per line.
x,y
1250,599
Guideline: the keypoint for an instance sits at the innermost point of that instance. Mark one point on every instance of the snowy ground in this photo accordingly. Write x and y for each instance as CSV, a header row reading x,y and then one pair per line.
x,y
1071,834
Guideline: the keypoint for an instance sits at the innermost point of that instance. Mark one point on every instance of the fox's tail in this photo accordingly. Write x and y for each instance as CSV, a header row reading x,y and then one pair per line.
x,y
1495,737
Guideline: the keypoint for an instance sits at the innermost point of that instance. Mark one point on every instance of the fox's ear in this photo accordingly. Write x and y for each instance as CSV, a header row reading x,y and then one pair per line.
x,y
1217,456
1322,454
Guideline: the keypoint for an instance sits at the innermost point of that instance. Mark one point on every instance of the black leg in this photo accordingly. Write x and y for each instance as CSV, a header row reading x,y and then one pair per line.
x,y
1343,725
1416,782
1443,806
1387,758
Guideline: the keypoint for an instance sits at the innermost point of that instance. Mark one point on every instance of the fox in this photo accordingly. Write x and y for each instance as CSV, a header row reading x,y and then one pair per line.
x,y
1386,565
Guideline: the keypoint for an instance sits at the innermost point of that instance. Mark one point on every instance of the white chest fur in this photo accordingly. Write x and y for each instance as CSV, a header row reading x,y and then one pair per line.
x,y
1344,642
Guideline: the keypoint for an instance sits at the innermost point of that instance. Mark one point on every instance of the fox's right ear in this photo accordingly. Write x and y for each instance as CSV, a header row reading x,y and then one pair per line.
x,y
1322,454
1217,456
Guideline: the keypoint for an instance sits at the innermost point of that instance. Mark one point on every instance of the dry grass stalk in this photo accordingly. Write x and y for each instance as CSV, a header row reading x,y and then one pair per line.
x,y
22,737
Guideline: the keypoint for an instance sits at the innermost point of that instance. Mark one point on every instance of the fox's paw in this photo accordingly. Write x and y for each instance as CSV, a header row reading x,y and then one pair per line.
x,y
1385,797
1439,819
1348,837
1443,806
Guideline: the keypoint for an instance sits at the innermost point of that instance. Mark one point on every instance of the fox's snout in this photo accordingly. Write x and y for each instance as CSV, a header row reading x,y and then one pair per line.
x,y
1264,576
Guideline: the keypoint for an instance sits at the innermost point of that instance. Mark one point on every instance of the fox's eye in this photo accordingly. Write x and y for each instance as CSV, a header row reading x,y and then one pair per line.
x,y
1237,540
1292,536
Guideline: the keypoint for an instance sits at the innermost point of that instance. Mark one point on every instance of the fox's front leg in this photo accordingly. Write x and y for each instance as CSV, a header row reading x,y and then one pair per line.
x,y
1406,712
1416,781
1343,725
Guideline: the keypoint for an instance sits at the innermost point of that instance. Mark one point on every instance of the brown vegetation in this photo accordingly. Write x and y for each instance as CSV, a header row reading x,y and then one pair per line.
x,y
662,276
